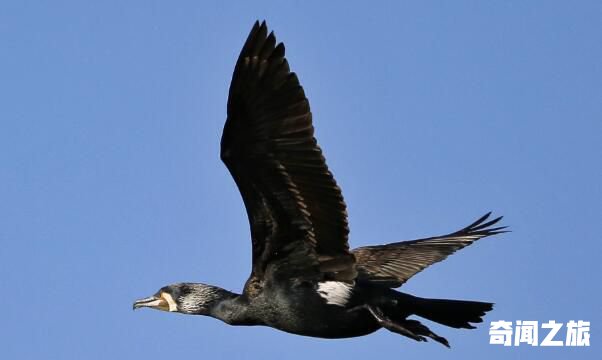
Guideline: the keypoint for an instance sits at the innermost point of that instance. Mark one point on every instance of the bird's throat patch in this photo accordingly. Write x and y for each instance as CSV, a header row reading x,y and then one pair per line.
x,y
170,302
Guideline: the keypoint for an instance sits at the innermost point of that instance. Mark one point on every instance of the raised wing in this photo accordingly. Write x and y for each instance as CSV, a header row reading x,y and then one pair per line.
x,y
393,264
296,211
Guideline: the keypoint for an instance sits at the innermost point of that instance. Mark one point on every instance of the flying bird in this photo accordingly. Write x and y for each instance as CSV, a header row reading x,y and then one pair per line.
x,y
305,279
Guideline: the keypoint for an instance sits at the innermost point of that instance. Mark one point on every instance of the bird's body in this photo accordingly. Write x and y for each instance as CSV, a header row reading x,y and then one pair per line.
x,y
305,279
299,310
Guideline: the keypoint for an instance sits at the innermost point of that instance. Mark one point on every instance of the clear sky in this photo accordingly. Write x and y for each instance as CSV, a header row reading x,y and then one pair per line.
x,y
429,113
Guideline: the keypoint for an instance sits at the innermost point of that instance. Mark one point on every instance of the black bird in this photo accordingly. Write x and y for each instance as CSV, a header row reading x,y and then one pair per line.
x,y
305,280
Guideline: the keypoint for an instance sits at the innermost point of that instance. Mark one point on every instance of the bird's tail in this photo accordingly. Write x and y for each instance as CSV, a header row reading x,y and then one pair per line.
x,y
453,313
393,315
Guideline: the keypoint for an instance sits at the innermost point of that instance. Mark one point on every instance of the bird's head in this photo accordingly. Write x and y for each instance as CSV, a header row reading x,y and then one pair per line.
x,y
186,298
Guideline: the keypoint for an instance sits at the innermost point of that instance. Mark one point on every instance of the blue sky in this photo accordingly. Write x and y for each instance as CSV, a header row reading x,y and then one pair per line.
x,y
429,113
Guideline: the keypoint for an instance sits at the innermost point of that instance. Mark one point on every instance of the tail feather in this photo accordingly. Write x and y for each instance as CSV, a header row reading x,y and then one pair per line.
x,y
453,313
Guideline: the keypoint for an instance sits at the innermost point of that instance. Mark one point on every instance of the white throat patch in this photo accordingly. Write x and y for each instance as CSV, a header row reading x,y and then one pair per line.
x,y
335,292
170,301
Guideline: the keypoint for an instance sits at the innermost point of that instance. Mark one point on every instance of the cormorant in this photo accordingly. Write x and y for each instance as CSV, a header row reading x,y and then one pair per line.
x,y
305,280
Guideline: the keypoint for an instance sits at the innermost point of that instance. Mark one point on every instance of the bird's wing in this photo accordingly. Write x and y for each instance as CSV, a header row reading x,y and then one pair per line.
x,y
296,211
393,264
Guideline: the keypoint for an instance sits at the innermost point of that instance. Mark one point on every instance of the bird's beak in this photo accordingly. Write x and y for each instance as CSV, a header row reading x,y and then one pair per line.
x,y
152,302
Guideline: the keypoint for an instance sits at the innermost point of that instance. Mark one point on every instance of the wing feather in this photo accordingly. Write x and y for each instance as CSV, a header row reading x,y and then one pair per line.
x,y
393,264
296,211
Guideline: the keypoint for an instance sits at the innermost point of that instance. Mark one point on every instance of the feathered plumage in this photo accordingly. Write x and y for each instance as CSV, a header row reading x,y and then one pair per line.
x,y
304,279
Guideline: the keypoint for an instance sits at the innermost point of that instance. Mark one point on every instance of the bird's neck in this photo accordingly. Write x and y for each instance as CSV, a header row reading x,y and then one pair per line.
x,y
232,310
216,302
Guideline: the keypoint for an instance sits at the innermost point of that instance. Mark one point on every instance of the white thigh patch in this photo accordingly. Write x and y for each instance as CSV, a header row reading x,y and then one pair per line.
x,y
335,292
